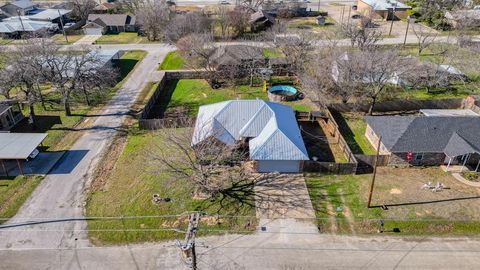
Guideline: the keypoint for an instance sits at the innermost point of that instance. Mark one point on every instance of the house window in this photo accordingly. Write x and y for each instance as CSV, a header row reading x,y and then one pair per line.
x,y
418,156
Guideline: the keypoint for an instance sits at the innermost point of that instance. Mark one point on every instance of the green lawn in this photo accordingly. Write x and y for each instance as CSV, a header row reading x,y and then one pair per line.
x,y
13,192
121,38
172,61
347,196
186,96
353,126
128,192
60,39
310,24
272,53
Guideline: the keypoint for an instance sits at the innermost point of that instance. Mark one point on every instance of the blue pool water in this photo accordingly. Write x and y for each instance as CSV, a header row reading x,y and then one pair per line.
x,y
285,90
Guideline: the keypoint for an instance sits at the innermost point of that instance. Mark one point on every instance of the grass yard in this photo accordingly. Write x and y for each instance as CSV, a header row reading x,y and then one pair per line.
x,y
122,38
128,192
13,192
60,39
186,96
310,24
172,61
340,203
353,126
272,53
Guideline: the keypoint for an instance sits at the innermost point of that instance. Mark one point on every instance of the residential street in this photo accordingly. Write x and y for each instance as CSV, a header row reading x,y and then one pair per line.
x,y
61,193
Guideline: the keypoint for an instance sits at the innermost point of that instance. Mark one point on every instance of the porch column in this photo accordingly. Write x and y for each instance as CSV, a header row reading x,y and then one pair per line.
x,y
19,167
449,161
4,167
465,162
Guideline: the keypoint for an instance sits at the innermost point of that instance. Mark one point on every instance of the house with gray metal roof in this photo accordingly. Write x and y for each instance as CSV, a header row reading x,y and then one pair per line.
x,y
18,25
271,130
435,138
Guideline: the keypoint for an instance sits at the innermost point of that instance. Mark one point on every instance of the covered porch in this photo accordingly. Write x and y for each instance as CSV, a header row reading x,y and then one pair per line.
x,y
16,149
460,155
10,115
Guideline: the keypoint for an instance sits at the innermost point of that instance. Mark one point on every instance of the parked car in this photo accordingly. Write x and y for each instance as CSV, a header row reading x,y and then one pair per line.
x,y
224,2
68,25
34,154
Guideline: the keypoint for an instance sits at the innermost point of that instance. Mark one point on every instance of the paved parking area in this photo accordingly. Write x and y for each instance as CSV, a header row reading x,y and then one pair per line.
x,y
41,165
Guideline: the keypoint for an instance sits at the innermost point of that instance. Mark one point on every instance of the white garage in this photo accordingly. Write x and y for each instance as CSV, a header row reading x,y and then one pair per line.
x,y
282,166
92,28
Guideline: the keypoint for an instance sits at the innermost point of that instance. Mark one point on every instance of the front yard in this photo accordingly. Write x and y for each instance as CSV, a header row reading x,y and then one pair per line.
x,y
128,190
340,203
122,38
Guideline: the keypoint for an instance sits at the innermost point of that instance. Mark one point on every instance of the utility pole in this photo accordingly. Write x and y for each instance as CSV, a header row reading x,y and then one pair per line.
x,y
318,5
61,23
188,246
406,32
374,172
21,22
393,18
343,13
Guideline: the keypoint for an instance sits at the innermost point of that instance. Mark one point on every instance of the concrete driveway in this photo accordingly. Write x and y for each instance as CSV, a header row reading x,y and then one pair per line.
x,y
50,217
87,40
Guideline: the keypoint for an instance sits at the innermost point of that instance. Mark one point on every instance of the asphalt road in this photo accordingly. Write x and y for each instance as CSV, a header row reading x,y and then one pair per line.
x,y
60,195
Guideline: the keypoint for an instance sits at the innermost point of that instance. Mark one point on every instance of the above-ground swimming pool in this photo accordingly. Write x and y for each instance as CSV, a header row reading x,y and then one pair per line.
x,y
282,93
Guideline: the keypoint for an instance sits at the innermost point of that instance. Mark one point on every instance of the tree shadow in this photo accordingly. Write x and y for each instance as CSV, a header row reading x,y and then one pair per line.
x,y
347,132
43,123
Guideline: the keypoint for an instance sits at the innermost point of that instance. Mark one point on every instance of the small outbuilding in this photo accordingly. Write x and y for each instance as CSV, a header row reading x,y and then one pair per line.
x,y
10,115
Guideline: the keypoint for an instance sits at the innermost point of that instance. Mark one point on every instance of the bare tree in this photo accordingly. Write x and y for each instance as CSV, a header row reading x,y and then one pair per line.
x,y
198,48
81,8
238,20
222,19
183,25
297,49
361,36
425,37
210,167
153,16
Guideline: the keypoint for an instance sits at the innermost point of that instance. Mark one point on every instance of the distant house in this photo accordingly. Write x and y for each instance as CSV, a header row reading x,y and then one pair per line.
x,y
99,24
260,21
463,18
106,7
18,26
385,9
270,129
436,137
10,115
19,8
51,15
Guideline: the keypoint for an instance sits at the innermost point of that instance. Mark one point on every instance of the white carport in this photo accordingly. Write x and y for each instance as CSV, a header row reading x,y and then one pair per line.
x,y
18,146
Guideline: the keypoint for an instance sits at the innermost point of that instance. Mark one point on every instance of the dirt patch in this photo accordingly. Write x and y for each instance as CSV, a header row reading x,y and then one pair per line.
x,y
395,191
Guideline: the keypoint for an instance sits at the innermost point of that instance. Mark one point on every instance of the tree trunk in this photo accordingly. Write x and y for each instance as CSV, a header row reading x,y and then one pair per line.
x,y
372,105
87,98
66,105
42,100
31,115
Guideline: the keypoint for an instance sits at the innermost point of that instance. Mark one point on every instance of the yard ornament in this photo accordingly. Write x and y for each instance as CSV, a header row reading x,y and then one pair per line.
x,y
409,156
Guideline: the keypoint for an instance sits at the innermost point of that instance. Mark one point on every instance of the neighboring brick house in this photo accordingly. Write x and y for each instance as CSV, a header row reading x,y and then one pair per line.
x,y
385,9
436,137
99,24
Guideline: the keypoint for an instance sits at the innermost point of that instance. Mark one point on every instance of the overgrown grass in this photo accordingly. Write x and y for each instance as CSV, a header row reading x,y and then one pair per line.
x,y
172,61
14,192
129,190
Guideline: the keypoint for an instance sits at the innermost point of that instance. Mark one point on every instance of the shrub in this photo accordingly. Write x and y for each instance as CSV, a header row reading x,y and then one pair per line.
x,y
471,176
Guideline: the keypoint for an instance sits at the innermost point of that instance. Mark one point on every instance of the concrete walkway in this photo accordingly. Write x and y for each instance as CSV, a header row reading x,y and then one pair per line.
x,y
87,40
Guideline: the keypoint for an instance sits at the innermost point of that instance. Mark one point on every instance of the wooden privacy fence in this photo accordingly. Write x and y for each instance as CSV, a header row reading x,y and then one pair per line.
x,y
342,143
154,124
400,105
329,167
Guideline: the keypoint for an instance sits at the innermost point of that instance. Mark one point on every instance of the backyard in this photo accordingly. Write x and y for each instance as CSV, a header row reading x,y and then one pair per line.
x,y
353,126
184,97
340,203
128,191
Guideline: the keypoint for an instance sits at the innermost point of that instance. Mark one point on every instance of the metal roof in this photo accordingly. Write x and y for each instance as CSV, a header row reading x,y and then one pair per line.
x,y
19,145
272,126
22,4
447,112
382,5
14,24
49,14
